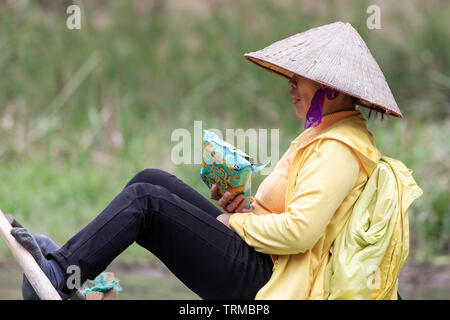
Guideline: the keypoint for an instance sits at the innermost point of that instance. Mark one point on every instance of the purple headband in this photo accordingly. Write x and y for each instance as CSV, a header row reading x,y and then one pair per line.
x,y
314,114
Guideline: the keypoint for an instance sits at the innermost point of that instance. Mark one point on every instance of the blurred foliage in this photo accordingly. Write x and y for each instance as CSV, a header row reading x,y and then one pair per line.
x,y
82,111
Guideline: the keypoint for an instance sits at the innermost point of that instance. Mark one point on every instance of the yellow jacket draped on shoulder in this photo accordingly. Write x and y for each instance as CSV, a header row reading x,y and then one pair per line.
x,y
309,241
370,251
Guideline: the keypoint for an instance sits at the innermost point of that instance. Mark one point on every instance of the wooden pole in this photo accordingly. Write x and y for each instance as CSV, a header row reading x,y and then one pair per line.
x,y
38,280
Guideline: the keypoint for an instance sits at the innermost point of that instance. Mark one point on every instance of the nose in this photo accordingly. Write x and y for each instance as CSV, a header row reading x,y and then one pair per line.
x,y
291,93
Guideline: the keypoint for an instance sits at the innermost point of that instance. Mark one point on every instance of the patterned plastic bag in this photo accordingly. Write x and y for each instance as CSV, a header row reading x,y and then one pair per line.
x,y
228,167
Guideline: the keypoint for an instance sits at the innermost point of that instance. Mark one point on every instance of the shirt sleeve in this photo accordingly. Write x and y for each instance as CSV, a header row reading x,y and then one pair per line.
x,y
328,173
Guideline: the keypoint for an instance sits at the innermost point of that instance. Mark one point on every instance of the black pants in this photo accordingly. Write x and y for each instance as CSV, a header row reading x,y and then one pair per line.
x,y
179,226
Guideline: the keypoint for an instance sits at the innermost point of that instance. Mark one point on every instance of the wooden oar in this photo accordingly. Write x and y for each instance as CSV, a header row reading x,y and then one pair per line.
x,y
38,280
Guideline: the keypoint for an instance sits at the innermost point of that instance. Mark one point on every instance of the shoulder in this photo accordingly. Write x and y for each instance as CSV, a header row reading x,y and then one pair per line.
x,y
327,147
330,154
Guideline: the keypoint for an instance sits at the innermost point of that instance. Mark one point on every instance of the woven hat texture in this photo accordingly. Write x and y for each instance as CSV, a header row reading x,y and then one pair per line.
x,y
334,55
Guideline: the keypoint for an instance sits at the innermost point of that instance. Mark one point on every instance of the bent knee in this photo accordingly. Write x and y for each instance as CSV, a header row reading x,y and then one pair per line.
x,y
152,175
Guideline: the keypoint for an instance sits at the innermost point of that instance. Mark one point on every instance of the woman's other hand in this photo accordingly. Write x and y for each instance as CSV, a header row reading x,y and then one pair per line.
x,y
236,205
225,218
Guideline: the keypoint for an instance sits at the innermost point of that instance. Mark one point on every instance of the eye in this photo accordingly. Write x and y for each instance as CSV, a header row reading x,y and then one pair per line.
x,y
292,84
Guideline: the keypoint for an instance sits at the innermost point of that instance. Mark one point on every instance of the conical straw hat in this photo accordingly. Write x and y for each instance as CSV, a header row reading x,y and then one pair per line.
x,y
334,55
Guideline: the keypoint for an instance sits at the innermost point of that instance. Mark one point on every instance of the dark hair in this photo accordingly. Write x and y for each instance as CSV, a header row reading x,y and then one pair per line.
x,y
377,110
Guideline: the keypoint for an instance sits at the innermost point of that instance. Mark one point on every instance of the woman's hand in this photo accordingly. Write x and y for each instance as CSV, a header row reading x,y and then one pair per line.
x,y
236,205
225,218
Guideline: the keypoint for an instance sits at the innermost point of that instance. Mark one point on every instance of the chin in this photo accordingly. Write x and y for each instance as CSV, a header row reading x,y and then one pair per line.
x,y
300,114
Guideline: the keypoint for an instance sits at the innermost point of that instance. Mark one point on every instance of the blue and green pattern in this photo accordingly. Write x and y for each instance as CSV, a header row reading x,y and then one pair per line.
x,y
228,167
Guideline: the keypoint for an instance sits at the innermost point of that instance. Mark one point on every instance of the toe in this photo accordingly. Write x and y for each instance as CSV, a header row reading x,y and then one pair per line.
x,y
27,241
21,234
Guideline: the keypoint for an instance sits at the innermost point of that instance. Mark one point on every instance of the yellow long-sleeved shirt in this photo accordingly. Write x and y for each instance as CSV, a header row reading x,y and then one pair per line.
x,y
327,174
275,183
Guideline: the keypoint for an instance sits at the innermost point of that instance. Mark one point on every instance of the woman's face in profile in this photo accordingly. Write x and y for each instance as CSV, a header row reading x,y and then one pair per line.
x,y
302,92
